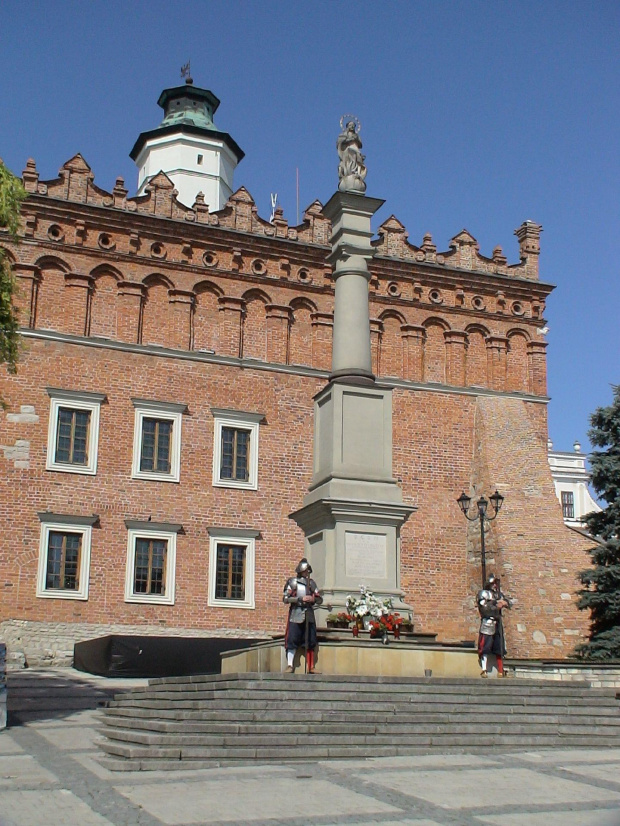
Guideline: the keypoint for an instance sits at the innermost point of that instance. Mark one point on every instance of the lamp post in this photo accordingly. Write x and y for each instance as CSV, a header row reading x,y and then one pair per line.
x,y
482,505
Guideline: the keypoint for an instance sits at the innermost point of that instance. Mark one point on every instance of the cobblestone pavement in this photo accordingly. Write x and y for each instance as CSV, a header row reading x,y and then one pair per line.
x,y
50,776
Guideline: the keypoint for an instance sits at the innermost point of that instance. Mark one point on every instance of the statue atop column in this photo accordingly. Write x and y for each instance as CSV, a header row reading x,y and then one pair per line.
x,y
351,169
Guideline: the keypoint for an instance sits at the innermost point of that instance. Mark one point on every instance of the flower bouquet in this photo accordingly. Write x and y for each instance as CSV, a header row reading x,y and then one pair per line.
x,y
341,620
367,607
386,624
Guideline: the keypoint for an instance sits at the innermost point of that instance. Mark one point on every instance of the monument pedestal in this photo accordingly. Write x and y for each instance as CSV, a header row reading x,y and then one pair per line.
x,y
354,509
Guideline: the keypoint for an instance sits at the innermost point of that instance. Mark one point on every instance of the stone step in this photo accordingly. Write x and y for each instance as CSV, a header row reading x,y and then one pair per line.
x,y
355,715
249,703
201,694
313,684
381,736
365,725
236,718
322,752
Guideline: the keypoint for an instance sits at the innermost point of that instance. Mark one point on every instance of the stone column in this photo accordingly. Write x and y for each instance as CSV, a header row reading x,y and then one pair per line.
x,y
353,511
278,323
350,216
414,338
229,328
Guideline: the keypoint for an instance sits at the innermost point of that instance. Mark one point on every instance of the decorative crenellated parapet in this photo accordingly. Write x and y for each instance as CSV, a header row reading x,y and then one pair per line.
x,y
30,176
119,194
529,246
393,242
280,224
316,228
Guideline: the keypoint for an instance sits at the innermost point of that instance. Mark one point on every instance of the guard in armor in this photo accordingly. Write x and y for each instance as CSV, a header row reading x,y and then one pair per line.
x,y
491,600
301,594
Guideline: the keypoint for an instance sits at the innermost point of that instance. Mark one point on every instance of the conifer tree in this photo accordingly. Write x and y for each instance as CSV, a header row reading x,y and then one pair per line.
x,y
12,193
601,594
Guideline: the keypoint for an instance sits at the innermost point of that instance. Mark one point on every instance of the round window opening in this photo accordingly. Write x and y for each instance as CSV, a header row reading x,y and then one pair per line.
x,y
158,250
393,289
435,296
209,259
477,302
258,267
55,233
517,308
303,275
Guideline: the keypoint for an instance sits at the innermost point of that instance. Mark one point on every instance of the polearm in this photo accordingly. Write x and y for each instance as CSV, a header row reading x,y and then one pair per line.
x,y
307,606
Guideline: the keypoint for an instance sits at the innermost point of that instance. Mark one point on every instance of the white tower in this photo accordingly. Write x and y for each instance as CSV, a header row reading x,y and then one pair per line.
x,y
188,148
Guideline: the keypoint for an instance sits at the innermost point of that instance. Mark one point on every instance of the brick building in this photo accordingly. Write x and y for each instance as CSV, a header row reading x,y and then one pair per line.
x,y
159,430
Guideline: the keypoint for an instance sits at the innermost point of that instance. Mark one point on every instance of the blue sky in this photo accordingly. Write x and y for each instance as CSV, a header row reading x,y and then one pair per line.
x,y
474,114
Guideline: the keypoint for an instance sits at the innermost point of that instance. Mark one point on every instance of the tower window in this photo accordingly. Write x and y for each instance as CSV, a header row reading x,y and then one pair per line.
x,y
199,160
568,504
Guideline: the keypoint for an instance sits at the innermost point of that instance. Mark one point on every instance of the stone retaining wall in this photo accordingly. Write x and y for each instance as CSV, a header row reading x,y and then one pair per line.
x,y
600,675
50,644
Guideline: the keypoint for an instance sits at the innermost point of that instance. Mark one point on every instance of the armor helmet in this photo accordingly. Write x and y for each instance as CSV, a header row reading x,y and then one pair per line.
x,y
492,581
303,569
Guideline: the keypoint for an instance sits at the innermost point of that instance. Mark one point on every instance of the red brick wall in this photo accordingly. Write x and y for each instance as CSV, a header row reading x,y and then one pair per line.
x,y
207,292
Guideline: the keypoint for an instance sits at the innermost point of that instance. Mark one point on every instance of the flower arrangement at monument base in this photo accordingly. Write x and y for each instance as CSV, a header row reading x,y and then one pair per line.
x,y
386,624
341,620
368,607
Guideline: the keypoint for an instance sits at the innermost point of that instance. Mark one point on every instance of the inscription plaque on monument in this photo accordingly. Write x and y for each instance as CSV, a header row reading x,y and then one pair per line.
x,y
365,555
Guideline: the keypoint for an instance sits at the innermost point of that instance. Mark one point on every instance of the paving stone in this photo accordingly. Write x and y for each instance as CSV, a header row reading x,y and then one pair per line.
x,y
8,744
561,818
47,808
23,769
240,800
472,789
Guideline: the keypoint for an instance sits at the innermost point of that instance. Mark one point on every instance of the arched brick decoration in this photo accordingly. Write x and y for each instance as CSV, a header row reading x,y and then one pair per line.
x,y
103,302
255,325
517,373
301,330
435,351
156,311
206,316
476,374
50,310
391,345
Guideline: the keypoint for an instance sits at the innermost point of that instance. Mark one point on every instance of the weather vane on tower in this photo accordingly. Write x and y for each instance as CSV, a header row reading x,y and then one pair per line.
x,y
186,73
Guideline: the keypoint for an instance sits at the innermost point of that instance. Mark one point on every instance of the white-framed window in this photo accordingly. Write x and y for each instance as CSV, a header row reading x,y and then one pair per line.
x,y
235,449
151,561
73,433
64,556
231,567
157,440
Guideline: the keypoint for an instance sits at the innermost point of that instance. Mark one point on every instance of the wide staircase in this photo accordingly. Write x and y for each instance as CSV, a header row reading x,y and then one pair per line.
x,y
196,722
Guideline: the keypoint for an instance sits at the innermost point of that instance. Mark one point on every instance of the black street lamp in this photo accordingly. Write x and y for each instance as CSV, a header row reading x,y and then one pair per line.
x,y
482,504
